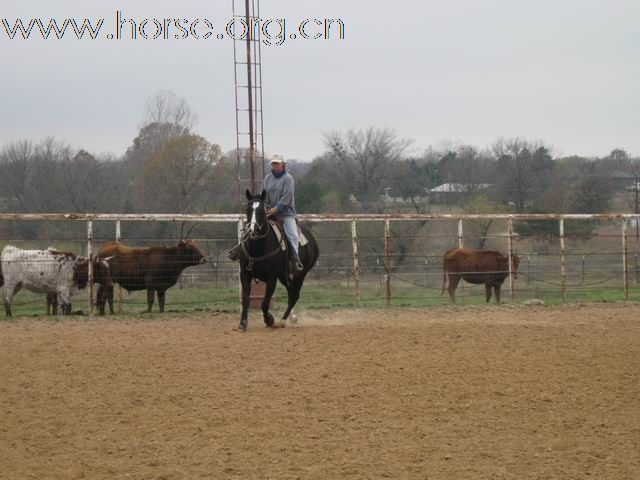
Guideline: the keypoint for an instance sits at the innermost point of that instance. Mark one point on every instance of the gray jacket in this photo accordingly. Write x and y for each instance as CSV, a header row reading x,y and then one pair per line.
x,y
280,194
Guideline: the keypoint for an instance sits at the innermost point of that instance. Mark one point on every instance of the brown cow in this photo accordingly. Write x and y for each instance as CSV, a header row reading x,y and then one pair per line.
x,y
478,267
154,269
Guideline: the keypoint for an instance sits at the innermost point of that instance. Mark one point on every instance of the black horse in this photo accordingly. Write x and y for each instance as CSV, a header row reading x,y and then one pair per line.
x,y
263,258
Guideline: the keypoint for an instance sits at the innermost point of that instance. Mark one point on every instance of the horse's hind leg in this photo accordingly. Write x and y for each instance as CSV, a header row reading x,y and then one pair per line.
x,y
293,294
269,321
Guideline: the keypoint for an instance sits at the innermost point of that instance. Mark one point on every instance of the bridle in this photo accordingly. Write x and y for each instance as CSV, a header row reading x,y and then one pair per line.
x,y
248,237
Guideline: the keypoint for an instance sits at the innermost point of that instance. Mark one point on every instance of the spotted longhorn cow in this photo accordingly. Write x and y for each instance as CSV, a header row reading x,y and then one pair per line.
x,y
48,271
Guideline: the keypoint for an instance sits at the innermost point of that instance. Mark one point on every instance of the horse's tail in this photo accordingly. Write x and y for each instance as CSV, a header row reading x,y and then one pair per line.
x,y
444,278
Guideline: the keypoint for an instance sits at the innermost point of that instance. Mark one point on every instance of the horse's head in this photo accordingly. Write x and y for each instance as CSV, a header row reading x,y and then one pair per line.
x,y
257,222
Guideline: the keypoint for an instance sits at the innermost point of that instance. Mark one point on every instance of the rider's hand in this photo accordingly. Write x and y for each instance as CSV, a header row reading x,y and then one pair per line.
x,y
272,212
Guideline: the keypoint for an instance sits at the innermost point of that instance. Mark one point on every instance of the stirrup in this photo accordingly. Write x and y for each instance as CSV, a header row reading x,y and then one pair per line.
x,y
234,253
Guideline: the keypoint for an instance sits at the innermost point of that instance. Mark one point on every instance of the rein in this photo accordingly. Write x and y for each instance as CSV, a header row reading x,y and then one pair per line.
x,y
254,260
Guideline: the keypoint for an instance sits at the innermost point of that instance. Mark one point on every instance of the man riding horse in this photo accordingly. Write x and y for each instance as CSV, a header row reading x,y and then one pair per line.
x,y
280,202
262,251
280,190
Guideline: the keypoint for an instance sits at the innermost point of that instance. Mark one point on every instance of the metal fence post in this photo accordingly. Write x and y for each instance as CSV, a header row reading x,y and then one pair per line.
x,y
387,260
240,232
461,245
563,262
356,263
90,266
510,257
625,268
118,238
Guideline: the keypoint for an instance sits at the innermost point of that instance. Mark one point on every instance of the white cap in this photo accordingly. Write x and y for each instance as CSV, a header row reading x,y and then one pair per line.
x,y
277,158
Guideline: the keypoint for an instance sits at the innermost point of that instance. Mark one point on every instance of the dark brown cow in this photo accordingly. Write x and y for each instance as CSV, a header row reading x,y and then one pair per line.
x,y
478,267
154,269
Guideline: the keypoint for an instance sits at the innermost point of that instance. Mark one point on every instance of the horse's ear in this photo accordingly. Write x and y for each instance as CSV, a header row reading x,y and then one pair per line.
x,y
263,195
248,194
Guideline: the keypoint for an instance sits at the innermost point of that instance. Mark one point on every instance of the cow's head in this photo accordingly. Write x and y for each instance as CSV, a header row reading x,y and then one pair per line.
x,y
101,272
188,254
515,262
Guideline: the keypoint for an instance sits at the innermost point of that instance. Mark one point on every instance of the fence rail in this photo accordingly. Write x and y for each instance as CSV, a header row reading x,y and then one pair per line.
x,y
360,260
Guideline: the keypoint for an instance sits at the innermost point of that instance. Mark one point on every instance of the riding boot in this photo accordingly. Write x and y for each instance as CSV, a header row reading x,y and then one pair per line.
x,y
296,264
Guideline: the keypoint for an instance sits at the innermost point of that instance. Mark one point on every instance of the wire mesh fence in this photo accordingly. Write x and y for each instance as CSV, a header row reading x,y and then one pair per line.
x,y
370,260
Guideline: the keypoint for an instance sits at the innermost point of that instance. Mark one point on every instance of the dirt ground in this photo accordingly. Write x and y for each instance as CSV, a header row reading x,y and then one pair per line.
x,y
506,392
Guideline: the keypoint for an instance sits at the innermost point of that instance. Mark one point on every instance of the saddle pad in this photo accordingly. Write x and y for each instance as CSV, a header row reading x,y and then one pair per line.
x,y
302,240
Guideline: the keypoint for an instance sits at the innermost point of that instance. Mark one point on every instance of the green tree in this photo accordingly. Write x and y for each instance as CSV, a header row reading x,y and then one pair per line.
x,y
522,171
181,177
308,197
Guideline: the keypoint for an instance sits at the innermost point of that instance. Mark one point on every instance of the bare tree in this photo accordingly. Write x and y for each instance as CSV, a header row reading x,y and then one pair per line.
x,y
362,159
164,107
16,162
522,170
88,183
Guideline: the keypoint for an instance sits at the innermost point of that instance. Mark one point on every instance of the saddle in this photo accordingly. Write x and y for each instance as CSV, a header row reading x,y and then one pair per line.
x,y
278,229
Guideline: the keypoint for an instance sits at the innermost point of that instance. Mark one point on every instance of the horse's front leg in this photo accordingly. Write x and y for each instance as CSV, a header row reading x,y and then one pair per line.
x,y
245,280
269,321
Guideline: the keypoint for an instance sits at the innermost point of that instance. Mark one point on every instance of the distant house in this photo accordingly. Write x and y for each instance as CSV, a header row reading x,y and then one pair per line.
x,y
453,192
622,180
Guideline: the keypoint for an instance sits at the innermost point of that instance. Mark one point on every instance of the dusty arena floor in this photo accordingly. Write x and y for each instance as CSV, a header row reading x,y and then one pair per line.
x,y
443,393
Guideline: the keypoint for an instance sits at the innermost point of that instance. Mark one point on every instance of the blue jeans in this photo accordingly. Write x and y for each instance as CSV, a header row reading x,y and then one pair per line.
x,y
291,230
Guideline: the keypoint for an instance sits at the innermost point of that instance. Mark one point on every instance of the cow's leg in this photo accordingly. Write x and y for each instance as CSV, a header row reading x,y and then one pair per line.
x,y
52,304
245,280
496,289
266,301
454,279
150,298
161,294
487,291
110,298
64,301
101,299
9,293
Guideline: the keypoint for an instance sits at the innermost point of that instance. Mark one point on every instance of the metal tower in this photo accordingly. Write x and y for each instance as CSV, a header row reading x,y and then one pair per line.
x,y
247,60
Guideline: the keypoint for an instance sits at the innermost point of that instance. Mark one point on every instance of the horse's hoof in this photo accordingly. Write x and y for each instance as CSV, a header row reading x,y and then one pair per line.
x,y
269,320
280,324
294,318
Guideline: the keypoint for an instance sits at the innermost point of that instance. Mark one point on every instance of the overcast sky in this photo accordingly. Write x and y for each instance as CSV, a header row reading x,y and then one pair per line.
x,y
564,71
